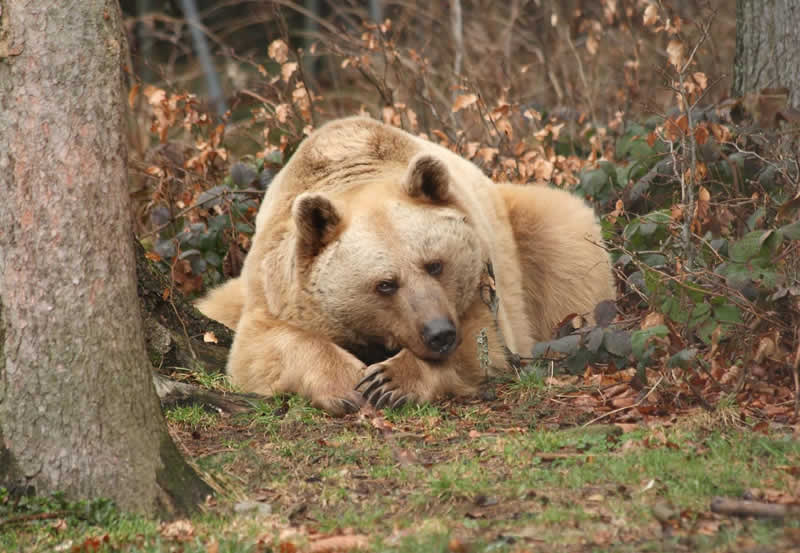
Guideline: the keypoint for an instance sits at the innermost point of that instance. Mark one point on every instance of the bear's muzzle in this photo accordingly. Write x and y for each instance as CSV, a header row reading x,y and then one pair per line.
x,y
440,336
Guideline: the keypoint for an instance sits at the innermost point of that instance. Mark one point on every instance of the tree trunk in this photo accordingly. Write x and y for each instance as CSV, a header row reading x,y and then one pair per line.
x,y
767,47
174,329
78,411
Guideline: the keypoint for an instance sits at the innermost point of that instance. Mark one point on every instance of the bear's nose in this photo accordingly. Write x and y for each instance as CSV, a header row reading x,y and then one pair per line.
x,y
439,335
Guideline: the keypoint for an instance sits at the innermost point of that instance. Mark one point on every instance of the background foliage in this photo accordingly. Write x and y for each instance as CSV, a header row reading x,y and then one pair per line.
x,y
623,102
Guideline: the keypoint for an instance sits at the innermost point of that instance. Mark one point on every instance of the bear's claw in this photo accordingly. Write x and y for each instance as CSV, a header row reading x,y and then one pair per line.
x,y
370,375
381,391
375,387
379,396
387,399
350,406
374,392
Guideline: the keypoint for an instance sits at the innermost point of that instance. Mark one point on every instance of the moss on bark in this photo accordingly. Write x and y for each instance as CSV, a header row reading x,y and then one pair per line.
x,y
183,492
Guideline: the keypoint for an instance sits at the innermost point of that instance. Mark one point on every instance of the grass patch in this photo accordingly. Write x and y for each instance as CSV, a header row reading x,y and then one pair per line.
x,y
218,381
195,417
454,475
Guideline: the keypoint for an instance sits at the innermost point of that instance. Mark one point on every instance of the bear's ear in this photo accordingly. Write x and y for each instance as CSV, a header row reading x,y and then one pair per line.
x,y
428,177
316,220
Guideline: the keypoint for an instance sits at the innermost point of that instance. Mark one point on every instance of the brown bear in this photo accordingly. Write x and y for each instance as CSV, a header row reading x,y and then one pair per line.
x,y
373,241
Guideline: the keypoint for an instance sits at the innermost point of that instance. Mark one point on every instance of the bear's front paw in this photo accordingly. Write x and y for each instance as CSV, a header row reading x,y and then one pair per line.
x,y
380,390
338,406
398,380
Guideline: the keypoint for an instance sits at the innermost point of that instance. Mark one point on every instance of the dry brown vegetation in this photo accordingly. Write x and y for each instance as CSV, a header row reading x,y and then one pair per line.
x,y
622,101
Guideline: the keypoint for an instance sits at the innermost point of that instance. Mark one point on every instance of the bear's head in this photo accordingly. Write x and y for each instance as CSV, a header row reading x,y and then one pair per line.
x,y
394,263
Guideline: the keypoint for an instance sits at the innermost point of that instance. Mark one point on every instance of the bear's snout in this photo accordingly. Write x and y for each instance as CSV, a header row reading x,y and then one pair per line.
x,y
439,335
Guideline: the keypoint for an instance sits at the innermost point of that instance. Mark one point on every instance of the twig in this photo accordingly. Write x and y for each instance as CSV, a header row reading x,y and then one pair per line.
x,y
197,205
796,373
458,34
589,93
637,404
175,308
728,293
254,95
34,517
697,393
744,508
284,29
171,392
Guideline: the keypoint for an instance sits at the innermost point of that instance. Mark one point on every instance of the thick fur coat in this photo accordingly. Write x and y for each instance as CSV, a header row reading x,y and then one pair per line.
x,y
373,240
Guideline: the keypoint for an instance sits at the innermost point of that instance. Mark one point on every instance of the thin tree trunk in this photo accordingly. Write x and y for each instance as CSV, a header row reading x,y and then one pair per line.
x,y
767,47
457,26
78,411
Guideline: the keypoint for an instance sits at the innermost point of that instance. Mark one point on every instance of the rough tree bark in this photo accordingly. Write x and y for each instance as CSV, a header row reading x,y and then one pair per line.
x,y
767,47
78,411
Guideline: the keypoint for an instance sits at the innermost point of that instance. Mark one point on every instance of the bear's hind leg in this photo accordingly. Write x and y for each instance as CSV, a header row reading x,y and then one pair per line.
x,y
564,264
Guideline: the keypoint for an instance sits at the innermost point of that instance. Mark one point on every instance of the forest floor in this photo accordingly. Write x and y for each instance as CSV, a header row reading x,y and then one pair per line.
x,y
517,470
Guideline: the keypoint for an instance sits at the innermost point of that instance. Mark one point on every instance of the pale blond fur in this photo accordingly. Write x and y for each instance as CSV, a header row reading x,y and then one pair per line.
x,y
360,203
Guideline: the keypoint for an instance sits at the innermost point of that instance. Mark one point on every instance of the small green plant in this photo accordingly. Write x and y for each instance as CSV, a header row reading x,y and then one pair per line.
x,y
194,416
413,411
212,380
99,512
273,412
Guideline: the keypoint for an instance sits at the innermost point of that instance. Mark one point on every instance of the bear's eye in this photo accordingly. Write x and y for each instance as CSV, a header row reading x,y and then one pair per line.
x,y
434,268
386,287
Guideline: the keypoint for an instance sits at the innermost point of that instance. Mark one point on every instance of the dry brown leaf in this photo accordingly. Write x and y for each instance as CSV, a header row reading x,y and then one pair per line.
x,y
278,51
701,79
470,149
619,208
701,134
502,108
487,154
592,45
132,95
181,530
287,70
455,545
789,206
282,112
675,53
382,424
389,113
405,457
59,525
683,123
543,169
652,319
701,171
339,543
155,171
463,101
650,15
210,338
766,349
702,208
504,126
532,114
627,427
721,132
